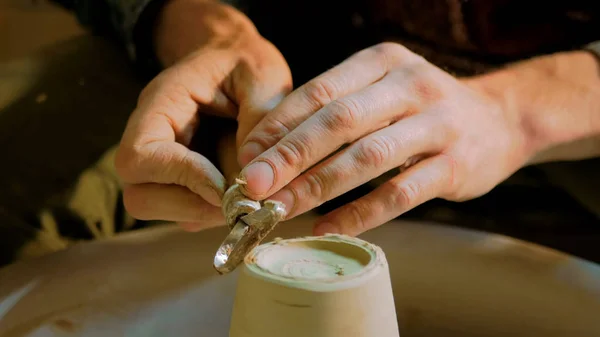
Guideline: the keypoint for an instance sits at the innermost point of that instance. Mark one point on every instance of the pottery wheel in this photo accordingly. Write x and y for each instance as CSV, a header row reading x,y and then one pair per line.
x,y
160,282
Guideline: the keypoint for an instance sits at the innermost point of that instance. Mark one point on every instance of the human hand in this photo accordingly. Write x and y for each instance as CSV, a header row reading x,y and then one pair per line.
x,y
221,65
393,108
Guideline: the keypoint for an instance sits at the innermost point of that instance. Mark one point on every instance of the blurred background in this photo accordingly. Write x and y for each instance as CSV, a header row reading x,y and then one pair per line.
x,y
28,25
65,96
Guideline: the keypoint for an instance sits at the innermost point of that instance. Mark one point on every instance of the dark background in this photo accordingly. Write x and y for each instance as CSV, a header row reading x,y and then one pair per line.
x,y
44,147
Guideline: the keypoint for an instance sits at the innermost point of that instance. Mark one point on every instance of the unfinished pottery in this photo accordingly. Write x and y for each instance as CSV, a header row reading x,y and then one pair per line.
x,y
160,281
327,286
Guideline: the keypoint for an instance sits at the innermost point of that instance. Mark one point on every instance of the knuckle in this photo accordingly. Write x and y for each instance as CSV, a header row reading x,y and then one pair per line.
x,y
156,160
209,64
339,173
393,56
389,48
153,162
358,215
317,187
424,86
273,129
375,151
344,115
127,162
135,203
177,98
390,54
155,85
183,176
321,91
293,152
404,194
169,90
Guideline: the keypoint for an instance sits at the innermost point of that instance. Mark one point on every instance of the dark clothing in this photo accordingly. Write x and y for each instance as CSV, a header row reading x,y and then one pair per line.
x,y
464,37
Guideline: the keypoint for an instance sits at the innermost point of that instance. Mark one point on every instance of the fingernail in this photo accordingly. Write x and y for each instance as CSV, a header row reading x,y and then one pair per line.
x,y
288,198
259,178
326,228
250,151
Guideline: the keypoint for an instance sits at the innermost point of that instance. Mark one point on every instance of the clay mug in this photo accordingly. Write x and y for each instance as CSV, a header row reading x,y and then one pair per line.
x,y
327,286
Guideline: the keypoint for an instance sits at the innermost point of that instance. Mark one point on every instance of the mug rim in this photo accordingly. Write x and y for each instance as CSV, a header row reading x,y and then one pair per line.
x,y
376,261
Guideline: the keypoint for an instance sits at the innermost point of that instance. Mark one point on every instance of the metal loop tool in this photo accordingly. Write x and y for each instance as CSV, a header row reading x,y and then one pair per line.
x,y
249,222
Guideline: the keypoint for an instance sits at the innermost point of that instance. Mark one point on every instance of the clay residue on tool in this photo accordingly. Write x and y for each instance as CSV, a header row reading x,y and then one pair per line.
x,y
235,204
250,222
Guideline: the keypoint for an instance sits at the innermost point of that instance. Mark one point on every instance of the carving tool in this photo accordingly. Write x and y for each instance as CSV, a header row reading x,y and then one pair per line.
x,y
249,222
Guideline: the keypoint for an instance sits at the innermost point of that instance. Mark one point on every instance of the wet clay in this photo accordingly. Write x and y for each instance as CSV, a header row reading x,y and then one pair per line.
x,y
325,286
315,262
304,262
250,222
235,204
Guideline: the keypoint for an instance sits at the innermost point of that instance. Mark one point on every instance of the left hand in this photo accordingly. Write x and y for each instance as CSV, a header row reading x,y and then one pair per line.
x,y
391,107
216,63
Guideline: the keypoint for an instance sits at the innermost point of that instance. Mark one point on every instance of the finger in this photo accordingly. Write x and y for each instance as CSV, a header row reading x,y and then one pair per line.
x,y
168,162
357,72
170,203
153,147
420,183
364,160
181,91
253,111
336,124
259,87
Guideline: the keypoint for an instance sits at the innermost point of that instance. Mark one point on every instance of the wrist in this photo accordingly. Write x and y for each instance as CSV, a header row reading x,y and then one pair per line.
x,y
186,25
554,101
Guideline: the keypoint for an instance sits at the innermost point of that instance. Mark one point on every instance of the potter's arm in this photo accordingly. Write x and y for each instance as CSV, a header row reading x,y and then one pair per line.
x,y
126,21
130,22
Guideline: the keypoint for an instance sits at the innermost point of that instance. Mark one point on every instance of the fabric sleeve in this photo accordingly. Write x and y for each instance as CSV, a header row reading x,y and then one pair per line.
x,y
594,48
115,17
130,22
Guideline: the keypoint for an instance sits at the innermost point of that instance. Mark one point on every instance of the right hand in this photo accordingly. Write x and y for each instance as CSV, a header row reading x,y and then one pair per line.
x,y
220,64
